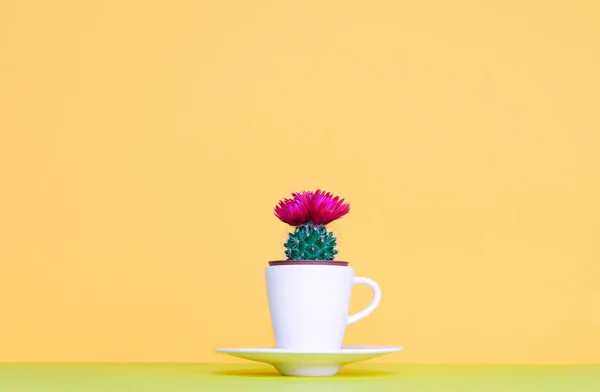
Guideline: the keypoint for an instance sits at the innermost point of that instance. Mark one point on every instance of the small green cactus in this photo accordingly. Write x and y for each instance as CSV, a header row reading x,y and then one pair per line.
x,y
309,212
310,242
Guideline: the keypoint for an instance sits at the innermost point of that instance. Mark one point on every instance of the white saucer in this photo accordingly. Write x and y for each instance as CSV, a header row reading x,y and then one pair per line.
x,y
309,362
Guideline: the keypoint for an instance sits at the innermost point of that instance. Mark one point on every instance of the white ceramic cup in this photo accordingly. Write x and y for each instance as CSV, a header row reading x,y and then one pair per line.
x,y
309,304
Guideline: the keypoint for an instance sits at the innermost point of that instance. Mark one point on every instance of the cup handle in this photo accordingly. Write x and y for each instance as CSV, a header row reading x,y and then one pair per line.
x,y
374,302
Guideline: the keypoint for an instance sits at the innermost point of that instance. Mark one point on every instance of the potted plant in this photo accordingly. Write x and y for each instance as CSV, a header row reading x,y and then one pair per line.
x,y
309,292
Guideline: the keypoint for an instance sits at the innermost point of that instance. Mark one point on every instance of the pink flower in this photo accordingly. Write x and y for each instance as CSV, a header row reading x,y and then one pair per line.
x,y
295,211
324,208
317,207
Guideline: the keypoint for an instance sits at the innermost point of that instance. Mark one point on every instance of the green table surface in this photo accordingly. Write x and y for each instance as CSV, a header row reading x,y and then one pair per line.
x,y
369,377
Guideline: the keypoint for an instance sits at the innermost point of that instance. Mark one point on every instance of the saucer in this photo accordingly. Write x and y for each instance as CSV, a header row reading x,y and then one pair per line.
x,y
309,363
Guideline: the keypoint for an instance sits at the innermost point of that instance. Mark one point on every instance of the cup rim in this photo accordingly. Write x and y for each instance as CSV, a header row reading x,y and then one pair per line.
x,y
275,263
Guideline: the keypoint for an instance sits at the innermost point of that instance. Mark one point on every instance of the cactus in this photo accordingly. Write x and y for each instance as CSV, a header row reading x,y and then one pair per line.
x,y
310,212
310,242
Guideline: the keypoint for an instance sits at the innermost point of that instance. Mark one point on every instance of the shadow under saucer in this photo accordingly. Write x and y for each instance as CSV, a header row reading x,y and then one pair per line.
x,y
272,373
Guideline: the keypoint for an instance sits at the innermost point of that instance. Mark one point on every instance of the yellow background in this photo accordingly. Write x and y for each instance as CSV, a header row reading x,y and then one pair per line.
x,y
144,144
